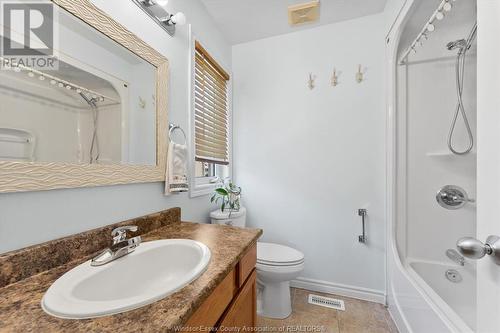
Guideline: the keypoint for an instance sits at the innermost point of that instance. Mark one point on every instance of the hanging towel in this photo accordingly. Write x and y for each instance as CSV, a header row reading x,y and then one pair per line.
x,y
176,171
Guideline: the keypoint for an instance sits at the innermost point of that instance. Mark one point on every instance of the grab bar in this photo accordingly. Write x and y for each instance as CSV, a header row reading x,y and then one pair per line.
x,y
362,212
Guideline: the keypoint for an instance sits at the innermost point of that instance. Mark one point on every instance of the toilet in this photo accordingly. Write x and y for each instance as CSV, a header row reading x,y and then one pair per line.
x,y
277,265
236,218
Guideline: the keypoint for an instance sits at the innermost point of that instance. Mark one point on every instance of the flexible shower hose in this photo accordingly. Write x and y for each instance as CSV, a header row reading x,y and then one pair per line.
x,y
460,109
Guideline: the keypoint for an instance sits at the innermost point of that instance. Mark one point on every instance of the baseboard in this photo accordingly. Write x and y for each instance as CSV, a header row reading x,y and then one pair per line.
x,y
365,294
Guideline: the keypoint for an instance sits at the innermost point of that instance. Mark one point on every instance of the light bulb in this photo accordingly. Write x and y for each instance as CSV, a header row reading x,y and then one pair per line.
x,y
68,87
79,90
447,6
17,69
31,74
41,78
439,16
162,3
431,27
60,85
178,18
52,82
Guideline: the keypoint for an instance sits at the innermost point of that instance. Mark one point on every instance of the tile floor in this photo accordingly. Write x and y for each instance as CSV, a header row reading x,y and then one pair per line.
x,y
358,317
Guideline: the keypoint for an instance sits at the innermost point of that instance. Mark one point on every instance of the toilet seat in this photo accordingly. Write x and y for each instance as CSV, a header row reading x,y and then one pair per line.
x,y
276,255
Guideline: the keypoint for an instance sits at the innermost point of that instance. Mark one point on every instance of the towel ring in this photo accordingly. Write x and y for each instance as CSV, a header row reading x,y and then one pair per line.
x,y
173,127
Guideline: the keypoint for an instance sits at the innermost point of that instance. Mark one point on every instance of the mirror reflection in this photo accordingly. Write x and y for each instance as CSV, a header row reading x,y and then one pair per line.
x,y
97,107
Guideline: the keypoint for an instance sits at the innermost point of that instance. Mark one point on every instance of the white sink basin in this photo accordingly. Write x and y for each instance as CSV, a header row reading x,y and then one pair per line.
x,y
153,271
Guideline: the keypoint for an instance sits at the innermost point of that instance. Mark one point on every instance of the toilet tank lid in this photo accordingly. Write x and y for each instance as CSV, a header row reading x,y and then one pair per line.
x,y
276,253
219,215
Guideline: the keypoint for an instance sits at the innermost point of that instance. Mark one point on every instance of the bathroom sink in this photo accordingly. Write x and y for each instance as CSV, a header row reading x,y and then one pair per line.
x,y
153,271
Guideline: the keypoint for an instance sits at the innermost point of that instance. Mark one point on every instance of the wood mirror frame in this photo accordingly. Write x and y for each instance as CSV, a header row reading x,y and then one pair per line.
x,y
26,176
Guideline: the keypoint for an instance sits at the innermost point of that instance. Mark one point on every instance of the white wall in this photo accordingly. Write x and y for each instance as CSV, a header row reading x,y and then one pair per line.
x,y
30,218
307,160
391,11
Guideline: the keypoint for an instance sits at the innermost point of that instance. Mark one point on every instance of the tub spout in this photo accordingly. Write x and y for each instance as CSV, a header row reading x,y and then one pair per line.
x,y
455,256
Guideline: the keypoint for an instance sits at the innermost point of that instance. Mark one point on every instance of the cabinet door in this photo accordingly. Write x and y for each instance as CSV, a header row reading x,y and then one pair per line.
x,y
243,310
247,265
209,313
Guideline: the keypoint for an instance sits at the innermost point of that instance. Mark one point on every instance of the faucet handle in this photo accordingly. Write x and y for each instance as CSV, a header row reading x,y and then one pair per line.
x,y
119,234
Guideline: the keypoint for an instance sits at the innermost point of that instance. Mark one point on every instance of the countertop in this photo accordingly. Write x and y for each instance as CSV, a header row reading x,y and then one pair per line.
x,y
20,309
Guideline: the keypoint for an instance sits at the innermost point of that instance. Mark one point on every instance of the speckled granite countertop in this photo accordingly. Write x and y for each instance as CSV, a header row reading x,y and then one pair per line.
x,y
20,309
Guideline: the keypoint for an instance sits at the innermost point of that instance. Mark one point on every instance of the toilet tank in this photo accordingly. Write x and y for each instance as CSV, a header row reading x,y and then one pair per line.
x,y
235,218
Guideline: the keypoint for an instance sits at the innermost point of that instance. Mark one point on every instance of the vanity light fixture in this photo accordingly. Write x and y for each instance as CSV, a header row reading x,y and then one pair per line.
x,y
156,10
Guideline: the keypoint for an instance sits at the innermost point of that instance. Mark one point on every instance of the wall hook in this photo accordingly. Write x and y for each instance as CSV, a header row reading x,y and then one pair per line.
x,y
142,102
310,82
359,75
335,78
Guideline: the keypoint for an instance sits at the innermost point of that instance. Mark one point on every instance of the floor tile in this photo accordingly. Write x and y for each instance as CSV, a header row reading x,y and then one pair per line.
x,y
359,317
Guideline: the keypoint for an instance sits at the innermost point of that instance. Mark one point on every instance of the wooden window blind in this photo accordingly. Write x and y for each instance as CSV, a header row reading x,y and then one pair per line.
x,y
211,109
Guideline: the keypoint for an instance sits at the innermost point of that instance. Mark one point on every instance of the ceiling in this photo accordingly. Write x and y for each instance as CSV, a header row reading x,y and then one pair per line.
x,y
247,20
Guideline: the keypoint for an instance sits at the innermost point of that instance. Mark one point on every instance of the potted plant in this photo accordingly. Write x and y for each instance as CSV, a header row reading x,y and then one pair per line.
x,y
227,196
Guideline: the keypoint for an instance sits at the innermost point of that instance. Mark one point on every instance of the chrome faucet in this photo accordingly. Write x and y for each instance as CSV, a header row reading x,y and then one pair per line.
x,y
455,256
121,246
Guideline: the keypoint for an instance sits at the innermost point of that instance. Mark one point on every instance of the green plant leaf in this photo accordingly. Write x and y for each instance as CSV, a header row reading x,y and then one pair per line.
x,y
223,206
221,191
212,198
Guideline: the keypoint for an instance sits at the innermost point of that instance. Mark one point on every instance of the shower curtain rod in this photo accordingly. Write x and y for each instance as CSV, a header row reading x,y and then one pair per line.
x,y
59,81
38,98
429,27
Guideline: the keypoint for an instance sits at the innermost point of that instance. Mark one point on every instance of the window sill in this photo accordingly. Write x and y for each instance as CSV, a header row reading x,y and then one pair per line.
x,y
201,190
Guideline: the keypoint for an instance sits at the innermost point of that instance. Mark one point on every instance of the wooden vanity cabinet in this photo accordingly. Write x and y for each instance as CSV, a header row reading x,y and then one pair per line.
x,y
233,303
243,310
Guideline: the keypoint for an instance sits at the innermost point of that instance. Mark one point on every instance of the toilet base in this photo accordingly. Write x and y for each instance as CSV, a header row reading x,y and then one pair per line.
x,y
274,300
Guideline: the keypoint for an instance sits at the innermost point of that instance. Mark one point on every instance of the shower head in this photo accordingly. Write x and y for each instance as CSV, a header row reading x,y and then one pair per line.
x,y
463,45
90,101
460,44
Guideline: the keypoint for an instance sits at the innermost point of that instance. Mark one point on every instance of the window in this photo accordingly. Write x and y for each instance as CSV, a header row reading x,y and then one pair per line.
x,y
211,119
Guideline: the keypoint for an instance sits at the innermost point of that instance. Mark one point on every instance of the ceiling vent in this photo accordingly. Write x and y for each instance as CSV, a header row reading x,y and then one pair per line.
x,y
303,13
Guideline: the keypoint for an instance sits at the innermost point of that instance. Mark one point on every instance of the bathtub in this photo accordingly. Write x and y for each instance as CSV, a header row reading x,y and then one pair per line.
x,y
457,300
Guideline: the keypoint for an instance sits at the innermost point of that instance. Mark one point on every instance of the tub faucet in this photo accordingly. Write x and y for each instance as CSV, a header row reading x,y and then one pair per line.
x,y
121,246
455,256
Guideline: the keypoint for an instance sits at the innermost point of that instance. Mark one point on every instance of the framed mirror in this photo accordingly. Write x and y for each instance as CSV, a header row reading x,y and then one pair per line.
x,y
97,118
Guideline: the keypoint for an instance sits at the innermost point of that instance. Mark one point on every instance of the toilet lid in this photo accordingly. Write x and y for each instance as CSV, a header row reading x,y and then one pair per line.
x,y
276,254
219,215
